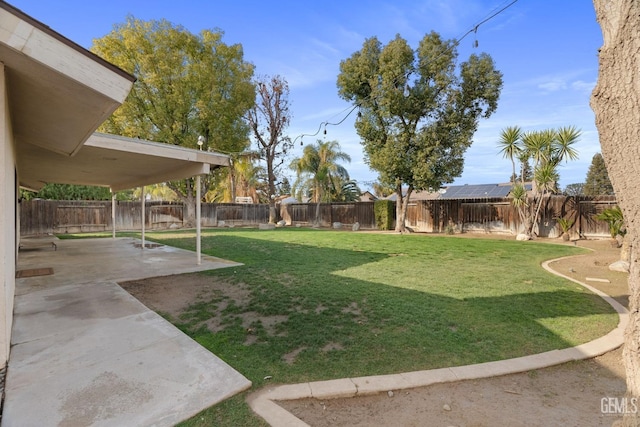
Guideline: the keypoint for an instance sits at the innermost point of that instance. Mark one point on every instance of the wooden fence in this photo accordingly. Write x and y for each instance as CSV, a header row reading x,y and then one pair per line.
x,y
430,216
499,216
329,213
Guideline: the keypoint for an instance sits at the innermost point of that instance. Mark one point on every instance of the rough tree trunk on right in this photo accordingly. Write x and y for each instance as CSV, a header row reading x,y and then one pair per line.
x,y
616,102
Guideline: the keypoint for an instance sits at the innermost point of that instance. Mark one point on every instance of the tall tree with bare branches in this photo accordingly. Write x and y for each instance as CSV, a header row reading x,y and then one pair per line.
x,y
269,119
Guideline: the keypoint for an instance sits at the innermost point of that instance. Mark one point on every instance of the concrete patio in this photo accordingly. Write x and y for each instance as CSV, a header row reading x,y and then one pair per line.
x,y
85,352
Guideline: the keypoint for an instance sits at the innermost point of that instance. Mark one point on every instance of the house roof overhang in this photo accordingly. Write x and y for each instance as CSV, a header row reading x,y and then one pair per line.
x,y
58,94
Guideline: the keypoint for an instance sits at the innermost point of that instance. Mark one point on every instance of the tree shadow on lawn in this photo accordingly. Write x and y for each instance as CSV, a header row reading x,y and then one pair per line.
x,y
329,326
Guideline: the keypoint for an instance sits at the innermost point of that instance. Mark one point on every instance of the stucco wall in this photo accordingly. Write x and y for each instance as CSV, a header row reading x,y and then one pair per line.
x,y
7,223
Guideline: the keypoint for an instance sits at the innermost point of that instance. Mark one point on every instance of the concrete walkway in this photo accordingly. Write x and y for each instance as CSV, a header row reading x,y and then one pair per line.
x,y
263,402
85,352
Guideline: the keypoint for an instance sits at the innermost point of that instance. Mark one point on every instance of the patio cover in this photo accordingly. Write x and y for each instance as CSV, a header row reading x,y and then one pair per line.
x,y
114,161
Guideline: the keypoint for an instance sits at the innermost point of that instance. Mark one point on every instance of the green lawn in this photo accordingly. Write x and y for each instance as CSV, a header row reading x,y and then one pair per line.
x,y
352,304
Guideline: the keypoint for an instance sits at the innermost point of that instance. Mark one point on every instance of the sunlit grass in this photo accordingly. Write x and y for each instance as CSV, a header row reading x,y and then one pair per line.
x,y
353,304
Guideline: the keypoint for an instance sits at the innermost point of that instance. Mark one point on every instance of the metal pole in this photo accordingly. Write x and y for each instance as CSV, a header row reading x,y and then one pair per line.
x,y
113,214
198,213
143,215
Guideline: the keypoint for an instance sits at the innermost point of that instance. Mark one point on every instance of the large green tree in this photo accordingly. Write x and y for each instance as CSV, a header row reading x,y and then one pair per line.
x,y
597,182
269,119
187,86
418,110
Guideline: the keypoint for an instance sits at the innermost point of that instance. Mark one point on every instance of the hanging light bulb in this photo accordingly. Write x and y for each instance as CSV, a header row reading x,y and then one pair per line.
x,y
475,35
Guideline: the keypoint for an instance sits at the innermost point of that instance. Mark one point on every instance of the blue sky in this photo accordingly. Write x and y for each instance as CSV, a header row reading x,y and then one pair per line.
x,y
546,50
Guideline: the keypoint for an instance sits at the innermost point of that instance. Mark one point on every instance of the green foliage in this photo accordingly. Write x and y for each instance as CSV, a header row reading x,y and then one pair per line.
x,y
383,190
597,182
511,150
576,189
74,192
284,187
450,229
244,179
565,224
187,85
614,219
519,196
345,191
384,211
417,116
547,149
318,174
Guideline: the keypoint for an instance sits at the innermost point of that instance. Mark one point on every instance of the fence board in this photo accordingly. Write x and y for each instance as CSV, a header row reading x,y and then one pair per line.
x,y
431,216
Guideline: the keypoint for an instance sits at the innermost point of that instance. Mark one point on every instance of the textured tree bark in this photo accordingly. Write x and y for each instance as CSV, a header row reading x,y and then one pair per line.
x,y
616,103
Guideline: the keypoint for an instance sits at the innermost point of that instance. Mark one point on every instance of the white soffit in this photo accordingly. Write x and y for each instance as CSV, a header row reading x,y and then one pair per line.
x,y
116,162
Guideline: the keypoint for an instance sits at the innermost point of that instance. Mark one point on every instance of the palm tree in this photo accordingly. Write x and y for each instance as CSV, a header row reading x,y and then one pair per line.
x,y
565,138
317,170
547,149
509,141
243,178
345,190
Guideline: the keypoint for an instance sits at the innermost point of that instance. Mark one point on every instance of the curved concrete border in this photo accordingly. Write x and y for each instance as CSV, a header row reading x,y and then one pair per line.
x,y
263,402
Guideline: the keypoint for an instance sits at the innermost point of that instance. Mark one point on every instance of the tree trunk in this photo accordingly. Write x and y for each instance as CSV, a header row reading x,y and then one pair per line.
x,y
400,228
273,218
616,103
401,208
317,220
188,200
271,178
189,203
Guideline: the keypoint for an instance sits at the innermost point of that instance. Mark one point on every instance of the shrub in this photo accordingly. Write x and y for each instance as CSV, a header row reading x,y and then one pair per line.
x,y
565,224
384,211
613,218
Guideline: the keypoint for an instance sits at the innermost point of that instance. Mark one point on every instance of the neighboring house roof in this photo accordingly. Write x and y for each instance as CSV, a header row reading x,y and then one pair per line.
x,y
467,191
476,191
368,196
289,200
424,195
415,195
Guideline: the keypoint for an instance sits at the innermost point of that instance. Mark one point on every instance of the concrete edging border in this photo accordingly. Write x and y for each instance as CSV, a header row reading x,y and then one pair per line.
x,y
263,402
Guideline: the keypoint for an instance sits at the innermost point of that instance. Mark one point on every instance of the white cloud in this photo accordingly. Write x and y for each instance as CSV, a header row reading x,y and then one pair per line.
x,y
583,86
553,85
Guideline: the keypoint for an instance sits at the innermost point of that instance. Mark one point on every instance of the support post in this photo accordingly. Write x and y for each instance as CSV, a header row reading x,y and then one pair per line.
x,y
113,214
143,214
198,214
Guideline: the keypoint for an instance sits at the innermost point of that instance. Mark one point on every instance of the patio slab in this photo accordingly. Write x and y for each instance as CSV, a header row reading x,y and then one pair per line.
x,y
85,352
